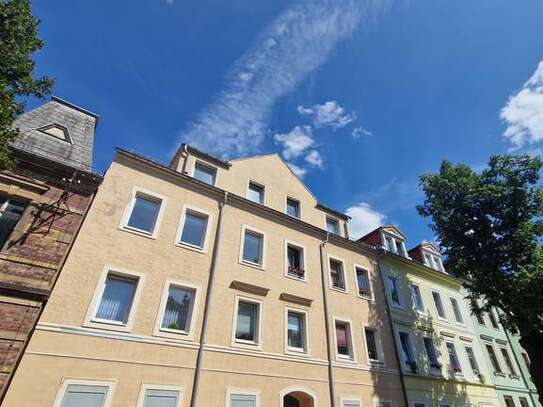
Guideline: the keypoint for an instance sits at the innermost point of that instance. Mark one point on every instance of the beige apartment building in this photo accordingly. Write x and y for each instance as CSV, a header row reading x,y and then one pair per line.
x,y
211,283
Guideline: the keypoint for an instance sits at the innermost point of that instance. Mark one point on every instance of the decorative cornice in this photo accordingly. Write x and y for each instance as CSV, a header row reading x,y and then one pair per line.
x,y
295,299
249,288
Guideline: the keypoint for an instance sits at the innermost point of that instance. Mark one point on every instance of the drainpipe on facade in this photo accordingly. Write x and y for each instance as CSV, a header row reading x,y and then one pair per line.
x,y
327,324
389,313
524,379
210,283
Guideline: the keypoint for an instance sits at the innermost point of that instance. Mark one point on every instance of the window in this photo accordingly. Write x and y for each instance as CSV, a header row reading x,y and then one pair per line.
x,y
393,290
389,242
160,398
117,297
523,402
332,225
493,320
456,310
178,309
400,249
419,404
205,173
253,247
336,275
472,361
295,261
526,359
439,305
296,331
10,213
247,321
144,214
417,298
431,353
363,282
293,208
428,260
371,344
508,362
438,263
255,192
493,359
343,340
350,403
78,395
242,400
480,318
395,245
407,352
509,401
453,358
194,229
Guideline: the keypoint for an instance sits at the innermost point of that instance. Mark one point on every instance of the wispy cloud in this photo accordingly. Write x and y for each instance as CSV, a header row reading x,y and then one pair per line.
x,y
299,171
294,44
359,132
364,219
295,142
330,114
523,113
314,159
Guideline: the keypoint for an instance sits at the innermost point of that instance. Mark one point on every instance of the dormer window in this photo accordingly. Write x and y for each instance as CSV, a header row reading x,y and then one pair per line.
x,y
395,245
205,173
433,261
332,225
57,131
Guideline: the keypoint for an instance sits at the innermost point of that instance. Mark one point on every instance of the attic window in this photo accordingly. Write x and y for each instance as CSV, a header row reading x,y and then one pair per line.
x,y
57,131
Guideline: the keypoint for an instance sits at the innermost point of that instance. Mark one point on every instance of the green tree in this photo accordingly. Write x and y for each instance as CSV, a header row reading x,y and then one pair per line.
x,y
18,41
489,225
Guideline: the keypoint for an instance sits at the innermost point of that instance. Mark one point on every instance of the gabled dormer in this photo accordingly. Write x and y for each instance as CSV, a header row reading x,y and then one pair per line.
x,y
388,237
429,255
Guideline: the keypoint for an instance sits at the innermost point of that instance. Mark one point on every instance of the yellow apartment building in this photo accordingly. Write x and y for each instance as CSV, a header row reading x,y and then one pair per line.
x,y
211,283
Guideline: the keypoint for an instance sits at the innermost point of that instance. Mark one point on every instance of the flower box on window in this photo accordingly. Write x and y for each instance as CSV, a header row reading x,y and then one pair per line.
x,y
364,292
297,272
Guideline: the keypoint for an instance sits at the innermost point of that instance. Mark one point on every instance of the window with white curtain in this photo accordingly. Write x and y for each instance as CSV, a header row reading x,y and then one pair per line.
x,y
178,309
242,400
117,298
79,395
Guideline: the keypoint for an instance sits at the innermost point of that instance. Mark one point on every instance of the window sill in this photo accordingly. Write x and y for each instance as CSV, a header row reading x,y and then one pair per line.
x,y
138,232
297,352
345,359
339,290
190,247
246,345
499,374
107,325
252,265
303,280
365,297
181,336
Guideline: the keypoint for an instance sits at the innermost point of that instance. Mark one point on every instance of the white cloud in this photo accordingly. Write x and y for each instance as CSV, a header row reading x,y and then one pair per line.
x,y
299,40
360,131
299,171
314,159
328,114
363,219
296,142
523,113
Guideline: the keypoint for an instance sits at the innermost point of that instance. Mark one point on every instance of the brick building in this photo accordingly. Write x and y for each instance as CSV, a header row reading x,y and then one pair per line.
x,y
42,203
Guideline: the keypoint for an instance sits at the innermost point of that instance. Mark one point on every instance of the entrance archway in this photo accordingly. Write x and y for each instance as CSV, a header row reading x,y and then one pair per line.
x,y
297,398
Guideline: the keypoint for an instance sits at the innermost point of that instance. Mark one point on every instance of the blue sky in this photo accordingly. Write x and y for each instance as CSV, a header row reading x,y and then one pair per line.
x,y
360,96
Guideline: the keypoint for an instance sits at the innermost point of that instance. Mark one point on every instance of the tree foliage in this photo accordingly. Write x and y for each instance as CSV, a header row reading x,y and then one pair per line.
x,y
489,225
18,42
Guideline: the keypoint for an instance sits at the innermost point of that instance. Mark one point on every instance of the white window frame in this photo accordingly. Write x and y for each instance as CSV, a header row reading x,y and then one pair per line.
x,y
299,206
244,229
356,267
433,370
241,343
242,392
205,164
110,384
516,368
305,351
423,311
461,372
378,344
415,402
350,399
138,191
400,305
383,403
337,259
471,346
352,354
302,262
458,302
172,333
90,318
403,363
326,217
145,387
500,373
181,225
442,305
261,185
